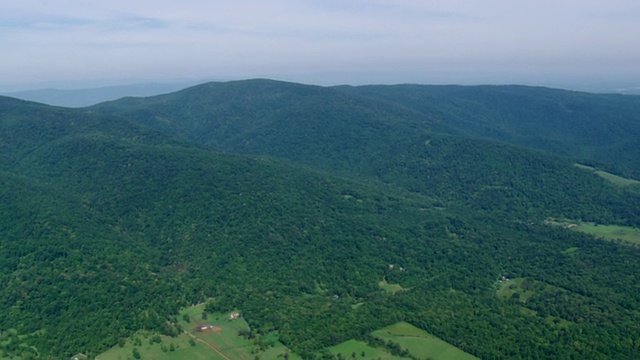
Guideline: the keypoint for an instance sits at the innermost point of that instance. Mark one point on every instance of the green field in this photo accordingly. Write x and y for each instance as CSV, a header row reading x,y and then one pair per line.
x,y
227,339
221,343
392,288
348,348
608,232
615,179
420,343
611,232
141,341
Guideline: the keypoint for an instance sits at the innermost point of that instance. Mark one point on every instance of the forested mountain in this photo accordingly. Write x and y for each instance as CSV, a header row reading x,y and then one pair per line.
x,y
417,140
270,117
596,127
308,124
290,202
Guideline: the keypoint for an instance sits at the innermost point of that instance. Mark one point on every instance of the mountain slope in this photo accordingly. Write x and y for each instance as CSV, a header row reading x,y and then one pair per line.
x,y
251,116
119,225
599,127
308,124
109,226
379,133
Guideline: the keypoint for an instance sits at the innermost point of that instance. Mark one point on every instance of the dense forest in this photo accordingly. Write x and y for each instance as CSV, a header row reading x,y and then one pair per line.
x,y
292,202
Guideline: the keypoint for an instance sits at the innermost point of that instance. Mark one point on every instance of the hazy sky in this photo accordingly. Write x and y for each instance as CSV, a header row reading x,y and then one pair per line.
x,y
322,42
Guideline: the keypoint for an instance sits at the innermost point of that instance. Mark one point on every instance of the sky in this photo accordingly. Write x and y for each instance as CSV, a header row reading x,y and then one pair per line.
x,y
67,43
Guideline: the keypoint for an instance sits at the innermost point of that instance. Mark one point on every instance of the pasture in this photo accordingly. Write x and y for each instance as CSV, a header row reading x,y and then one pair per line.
x,y
220,341
225,339
392,288
348,348
420,343
615,179
607,232
141,342
611,232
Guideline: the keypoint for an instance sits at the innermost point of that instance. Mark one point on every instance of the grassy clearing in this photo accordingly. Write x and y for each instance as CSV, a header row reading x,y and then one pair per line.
x,y
607,232
147,350
392,288
277,352
220,343
226,339
507,289
611,232
348,348
420,343
615,179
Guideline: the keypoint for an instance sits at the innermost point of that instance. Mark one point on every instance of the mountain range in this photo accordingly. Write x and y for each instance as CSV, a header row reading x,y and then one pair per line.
x,y
291,202
89,96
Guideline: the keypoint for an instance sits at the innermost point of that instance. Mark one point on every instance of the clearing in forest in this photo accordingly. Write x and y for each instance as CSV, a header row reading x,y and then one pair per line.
x,y
361,350
168,348
615,179
392,288
206,336
420,343
611,232
521,286
222,335
607,232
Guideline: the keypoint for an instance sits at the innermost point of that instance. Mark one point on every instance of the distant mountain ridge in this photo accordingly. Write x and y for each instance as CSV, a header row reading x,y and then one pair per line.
x,y
91,96
248,116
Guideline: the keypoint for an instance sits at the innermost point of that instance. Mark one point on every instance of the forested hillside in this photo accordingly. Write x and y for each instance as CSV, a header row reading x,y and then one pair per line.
x,y
599,127
292,203
413,137
270,117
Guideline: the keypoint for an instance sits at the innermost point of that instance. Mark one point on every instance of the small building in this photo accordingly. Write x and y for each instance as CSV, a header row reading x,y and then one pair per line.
x,y
201,328
234,315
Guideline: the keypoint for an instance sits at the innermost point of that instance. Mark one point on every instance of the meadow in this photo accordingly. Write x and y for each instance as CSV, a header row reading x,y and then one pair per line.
x,y
608,232
362,351
392,288
420,343
611,232
221,341
615,179
168,349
